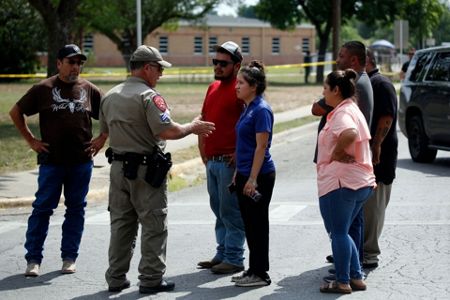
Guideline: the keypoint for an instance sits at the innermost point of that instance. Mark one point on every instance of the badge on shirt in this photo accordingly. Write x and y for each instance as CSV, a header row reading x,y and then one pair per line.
x,y
160,103
164,117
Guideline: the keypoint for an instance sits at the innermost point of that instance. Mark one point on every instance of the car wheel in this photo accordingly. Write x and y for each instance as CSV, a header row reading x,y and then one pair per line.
x,y
418,142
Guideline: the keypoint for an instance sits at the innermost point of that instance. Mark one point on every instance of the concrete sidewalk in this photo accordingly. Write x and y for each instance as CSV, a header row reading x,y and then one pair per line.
x,y
18,188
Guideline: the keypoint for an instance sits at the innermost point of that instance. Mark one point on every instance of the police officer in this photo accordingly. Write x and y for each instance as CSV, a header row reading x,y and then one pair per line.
x,y
137,119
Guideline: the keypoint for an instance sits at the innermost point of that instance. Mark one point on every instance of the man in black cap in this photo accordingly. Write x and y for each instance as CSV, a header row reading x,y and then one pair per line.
x,y
222,107
137,119
65,104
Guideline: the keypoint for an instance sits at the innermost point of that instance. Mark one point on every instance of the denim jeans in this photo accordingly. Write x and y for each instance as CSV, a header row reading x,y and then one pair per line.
x,y
230,233
339,208
51,180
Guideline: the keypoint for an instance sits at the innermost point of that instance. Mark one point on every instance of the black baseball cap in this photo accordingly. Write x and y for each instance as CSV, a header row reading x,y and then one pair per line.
x,y
71,50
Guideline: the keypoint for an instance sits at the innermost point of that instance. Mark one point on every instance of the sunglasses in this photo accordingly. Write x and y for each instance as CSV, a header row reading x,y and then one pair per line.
x,y
73,62
160,68
222,63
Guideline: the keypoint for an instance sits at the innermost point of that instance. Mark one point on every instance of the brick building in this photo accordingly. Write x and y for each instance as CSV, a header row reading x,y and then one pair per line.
x,y
192,45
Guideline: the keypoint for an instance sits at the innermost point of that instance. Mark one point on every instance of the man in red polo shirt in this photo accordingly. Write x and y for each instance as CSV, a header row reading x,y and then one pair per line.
x,y
222,107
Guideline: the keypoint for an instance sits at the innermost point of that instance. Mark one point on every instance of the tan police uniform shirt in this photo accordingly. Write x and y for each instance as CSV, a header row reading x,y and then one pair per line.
x,y
133,114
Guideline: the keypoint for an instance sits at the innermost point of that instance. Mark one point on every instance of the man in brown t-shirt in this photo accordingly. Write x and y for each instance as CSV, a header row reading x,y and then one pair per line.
x,y
65,104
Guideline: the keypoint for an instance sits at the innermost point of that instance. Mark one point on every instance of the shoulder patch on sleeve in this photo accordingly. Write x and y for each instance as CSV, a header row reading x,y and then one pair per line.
x,y
160,103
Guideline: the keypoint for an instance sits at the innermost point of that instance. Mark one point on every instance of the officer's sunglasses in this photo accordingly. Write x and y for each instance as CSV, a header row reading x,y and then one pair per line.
x,y
222,63
160,68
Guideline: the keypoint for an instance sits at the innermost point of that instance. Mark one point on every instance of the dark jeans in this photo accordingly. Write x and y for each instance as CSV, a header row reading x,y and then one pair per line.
x,y
339,208
51,180
256,221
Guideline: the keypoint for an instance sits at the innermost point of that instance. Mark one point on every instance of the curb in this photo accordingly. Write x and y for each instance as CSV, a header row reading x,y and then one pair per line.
x,y
188,170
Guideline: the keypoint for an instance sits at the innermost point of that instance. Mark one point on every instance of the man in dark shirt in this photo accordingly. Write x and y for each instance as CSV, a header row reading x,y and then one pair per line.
x,y
406,64
384,145
65,104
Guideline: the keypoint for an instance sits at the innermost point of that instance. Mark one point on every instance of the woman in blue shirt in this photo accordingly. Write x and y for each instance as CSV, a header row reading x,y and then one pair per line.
x,y
255,171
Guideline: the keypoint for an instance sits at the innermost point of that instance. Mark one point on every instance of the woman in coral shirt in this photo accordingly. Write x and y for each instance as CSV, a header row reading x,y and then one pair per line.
x,y
345,177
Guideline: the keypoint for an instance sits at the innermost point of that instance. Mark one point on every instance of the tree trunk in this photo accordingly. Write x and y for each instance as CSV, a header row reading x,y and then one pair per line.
x,y
56,40
127,46
323,45
321,57
126,55
58,22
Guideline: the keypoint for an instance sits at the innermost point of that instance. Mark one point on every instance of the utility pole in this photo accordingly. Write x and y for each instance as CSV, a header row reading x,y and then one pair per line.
x,y
336,6
138,23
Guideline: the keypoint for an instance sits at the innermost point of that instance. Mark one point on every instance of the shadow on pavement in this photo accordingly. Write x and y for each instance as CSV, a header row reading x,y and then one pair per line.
x,y
440,167
304,286
107,295
192,283
187,284
19,281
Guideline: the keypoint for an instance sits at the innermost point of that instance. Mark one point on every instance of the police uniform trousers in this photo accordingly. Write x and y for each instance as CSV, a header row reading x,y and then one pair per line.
x,y
132,202
374,212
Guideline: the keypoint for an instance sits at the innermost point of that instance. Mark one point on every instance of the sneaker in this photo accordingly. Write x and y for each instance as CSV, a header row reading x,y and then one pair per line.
x,y
253,280
32,270
226,268
68,267
239,277
208,264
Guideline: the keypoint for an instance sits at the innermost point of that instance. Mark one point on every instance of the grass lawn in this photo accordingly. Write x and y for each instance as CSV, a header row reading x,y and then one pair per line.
x,y
183,93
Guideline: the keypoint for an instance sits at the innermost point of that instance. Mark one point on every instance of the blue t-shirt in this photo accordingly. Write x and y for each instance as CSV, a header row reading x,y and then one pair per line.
x,y
257,117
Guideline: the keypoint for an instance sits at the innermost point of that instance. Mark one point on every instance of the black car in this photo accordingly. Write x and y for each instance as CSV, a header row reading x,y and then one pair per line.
x,y
424,112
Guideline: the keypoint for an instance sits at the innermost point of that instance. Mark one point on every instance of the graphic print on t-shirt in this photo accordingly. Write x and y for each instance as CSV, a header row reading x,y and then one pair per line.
x,y
73,105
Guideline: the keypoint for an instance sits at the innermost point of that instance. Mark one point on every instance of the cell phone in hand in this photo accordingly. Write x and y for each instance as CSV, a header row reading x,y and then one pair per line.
x,y
232,188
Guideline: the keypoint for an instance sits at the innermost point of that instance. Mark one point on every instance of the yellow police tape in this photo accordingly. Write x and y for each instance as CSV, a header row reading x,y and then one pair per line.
x,y
172,71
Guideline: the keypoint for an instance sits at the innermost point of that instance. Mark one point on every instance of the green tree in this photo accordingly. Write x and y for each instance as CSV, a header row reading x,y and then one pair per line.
x,y
247,11
117,19
59,17
21,35
442,31
286,14
423,17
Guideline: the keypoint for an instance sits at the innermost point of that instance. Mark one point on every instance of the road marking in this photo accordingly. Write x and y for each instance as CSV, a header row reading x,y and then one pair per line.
x,y
279,214
284,212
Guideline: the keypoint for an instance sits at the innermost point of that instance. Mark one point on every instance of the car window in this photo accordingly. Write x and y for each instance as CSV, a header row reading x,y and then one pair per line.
x,y
440,70
417,65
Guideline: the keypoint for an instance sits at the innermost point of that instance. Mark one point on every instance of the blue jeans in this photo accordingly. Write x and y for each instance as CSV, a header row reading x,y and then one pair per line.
x,y
230,233
339,208
52,178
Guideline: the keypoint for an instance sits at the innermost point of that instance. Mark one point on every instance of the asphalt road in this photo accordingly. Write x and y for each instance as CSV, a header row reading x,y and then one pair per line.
x,y
415,243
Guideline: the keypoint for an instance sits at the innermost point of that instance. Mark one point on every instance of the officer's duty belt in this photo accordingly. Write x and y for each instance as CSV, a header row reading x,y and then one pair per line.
x,y
143,159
